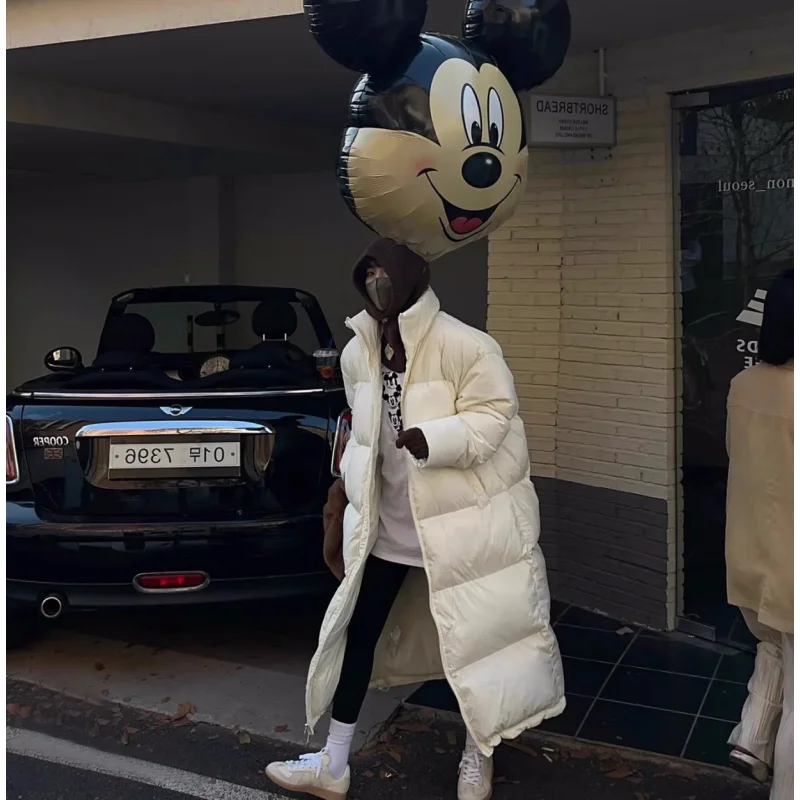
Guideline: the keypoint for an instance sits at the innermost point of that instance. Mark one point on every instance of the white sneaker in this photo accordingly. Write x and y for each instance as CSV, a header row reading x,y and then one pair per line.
x,y
475,775
747,764
310,774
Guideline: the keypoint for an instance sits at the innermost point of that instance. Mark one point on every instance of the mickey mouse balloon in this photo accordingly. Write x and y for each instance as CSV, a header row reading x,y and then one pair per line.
x,y
434,155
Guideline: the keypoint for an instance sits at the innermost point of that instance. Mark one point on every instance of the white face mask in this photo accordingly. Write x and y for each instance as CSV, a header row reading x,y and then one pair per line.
x,y
379,291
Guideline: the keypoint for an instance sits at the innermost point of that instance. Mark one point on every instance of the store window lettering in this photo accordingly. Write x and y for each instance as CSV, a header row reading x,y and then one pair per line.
x,y
750,348
770,185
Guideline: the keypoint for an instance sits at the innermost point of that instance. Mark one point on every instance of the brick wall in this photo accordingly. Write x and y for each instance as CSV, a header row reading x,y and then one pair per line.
x,y
582,296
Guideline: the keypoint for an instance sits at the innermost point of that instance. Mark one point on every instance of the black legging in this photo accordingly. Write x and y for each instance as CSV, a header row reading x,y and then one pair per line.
x,y
379,588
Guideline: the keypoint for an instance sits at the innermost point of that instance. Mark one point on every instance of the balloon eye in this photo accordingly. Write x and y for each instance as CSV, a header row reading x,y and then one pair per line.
x,y
471,114
495,119
475,133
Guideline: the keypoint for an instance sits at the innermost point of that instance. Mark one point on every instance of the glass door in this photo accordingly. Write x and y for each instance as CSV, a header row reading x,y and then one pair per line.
x,y
736,154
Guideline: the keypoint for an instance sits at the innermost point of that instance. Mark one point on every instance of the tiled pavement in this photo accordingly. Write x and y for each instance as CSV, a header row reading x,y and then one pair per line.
x,y
664,693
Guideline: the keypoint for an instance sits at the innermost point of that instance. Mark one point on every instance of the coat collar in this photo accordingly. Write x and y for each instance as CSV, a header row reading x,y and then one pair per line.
x,y
414,324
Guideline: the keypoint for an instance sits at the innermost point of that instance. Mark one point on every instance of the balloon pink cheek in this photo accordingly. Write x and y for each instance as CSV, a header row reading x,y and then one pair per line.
x,y
424,165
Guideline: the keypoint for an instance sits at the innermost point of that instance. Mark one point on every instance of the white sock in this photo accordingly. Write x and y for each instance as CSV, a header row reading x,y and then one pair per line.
x,y
470,743
340,737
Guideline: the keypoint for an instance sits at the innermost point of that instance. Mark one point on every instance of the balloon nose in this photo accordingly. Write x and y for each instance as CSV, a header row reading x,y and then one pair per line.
x,y
482,170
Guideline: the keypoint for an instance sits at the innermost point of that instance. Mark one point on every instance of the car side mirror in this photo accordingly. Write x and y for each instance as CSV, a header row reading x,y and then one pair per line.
x,y
63,359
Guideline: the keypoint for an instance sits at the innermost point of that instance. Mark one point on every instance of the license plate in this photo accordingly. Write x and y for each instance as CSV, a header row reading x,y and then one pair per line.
x,y
164,458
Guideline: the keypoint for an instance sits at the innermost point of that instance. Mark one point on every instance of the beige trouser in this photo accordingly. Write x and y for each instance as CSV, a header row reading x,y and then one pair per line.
x,y
767,726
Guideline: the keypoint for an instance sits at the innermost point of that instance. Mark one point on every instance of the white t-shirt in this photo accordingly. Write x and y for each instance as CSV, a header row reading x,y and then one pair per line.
x,y
397,535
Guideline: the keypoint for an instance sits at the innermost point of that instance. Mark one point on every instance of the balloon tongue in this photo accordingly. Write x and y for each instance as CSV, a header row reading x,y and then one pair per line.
x,y
465,224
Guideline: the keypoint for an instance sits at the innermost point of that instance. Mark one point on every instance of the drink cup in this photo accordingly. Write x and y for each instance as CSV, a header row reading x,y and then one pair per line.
x,y
326,362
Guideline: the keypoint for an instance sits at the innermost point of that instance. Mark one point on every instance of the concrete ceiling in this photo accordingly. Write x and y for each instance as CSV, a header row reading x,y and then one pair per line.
x,y
273,67
38,156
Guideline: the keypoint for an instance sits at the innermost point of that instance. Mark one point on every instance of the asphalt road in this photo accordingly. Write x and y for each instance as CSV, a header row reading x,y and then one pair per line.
x,y
60,748
32,779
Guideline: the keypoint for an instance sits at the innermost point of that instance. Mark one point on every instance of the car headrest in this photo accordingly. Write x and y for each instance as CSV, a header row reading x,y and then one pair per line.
x,y
131,333
274,320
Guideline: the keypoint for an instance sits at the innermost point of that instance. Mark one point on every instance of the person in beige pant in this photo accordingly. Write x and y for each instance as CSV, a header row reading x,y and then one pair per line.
x,y
759,546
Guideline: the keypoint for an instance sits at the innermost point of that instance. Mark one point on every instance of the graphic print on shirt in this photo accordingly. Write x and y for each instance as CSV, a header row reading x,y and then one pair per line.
x,y
391,396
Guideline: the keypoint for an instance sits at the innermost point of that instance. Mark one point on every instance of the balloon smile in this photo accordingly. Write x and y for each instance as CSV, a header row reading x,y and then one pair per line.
x,y
462,222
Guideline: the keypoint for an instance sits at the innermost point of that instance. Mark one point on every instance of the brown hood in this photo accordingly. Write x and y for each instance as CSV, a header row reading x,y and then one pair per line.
x,y
410,277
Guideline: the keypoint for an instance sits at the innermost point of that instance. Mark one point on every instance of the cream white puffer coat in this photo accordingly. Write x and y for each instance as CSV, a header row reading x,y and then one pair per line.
x,y
479,613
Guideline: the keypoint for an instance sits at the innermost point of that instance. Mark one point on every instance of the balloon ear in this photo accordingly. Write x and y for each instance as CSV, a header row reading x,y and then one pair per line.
x,y
369,36
528,42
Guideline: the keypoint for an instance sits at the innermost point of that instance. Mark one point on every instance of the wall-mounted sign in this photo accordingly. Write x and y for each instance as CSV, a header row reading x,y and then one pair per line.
x,y
563,121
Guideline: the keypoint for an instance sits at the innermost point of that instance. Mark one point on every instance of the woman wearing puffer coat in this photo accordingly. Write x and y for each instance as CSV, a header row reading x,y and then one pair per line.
x,y
443,574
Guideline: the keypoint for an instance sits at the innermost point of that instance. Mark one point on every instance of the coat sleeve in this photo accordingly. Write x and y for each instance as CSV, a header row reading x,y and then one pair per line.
x,y
485,405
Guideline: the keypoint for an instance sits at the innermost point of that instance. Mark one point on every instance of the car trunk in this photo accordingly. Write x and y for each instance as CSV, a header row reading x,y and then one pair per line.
x,y
244,456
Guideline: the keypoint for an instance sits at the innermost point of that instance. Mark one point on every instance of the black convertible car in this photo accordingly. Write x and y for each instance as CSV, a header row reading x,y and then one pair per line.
x,y
188,463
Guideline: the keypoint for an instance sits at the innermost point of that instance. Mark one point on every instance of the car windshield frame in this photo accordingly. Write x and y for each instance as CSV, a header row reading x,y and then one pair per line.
x,y
127,300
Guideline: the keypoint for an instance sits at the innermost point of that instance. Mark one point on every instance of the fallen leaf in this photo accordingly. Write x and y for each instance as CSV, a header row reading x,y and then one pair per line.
x,y
12,708
103,721
124,739
451,737
166,699
412,727
368,773
523,748
634,779
99,666
132,731
183,710
619,773
25,712
244,737
394,752
281,728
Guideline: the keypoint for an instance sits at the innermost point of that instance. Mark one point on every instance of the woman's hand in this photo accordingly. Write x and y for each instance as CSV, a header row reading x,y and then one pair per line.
x,y
415,442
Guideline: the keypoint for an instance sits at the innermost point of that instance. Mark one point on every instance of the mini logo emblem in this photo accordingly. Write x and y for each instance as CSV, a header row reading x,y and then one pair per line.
x,y
176,411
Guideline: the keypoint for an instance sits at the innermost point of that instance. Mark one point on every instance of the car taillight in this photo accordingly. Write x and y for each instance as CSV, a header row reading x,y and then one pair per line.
x,y
343,427
12,465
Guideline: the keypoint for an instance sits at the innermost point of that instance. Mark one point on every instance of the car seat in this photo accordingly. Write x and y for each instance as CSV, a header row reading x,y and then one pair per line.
x,y
274,322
